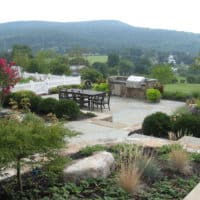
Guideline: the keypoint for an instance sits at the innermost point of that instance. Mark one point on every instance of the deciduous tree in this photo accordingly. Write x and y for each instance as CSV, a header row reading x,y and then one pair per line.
x,y
23,139
21,54
113,60
126,67
91,74
163,73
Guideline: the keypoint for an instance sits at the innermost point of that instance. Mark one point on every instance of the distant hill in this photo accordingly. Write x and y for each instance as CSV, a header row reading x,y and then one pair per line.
x,y
97,36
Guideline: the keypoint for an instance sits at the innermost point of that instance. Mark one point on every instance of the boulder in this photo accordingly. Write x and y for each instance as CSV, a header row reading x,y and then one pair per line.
x,y
100,164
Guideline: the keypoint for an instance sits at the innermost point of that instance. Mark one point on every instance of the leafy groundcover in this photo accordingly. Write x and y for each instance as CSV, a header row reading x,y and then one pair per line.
x,y
46,184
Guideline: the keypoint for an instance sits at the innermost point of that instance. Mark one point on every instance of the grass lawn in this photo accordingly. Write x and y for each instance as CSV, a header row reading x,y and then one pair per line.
x,y
99,58
185,88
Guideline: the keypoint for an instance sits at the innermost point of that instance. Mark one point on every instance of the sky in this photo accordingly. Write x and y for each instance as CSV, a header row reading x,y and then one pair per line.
x,y
181,15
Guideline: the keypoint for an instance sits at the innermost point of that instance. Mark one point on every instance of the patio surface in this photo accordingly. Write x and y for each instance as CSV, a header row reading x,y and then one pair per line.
x,y
131,111
127,115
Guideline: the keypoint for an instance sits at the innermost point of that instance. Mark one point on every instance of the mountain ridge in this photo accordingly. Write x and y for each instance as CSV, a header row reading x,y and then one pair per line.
x,y
96,36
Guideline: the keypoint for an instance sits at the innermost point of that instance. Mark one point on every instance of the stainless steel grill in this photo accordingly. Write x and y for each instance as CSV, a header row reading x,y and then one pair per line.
x,y
135,81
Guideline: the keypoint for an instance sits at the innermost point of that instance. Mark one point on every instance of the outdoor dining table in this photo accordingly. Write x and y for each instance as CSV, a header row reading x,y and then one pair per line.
x,y
88,95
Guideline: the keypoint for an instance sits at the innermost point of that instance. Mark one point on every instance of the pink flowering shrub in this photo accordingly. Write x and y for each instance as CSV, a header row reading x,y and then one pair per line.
x,y
8,78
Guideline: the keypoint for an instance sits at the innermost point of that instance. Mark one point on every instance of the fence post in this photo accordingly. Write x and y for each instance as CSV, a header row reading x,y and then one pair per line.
x,y
32,86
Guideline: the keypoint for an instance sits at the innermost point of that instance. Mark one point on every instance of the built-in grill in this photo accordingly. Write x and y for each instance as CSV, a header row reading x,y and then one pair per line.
x,y
135,81
132,86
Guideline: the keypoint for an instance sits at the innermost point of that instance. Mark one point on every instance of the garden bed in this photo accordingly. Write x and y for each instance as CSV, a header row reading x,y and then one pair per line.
x,y
47,183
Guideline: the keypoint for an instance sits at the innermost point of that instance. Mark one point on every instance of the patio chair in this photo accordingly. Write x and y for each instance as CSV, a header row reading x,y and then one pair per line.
x,y
85,99
102,101
62,94
69,95
76,97
81,99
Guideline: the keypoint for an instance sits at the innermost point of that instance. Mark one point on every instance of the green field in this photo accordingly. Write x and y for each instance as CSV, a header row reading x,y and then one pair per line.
x,y
185,88
98,58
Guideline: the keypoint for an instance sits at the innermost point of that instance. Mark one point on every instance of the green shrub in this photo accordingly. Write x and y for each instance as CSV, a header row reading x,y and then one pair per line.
x,y
191,79
181,96
18,96
55,90
35,102
157,124
153,95
186,124
104,87
34,99
174,80
196,94
176,95
67,108
91,74
47,105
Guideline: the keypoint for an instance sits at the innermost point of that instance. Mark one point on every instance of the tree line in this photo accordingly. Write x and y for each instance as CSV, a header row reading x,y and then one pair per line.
x,y
131,61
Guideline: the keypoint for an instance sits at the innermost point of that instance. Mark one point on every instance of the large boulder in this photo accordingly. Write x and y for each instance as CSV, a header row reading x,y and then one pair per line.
x,y
100,164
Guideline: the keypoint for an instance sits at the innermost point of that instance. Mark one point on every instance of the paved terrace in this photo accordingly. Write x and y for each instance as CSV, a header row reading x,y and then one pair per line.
x,y
127,114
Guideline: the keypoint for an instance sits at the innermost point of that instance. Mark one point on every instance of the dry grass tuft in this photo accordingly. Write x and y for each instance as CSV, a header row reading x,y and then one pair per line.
x,y
134,166
129,174
129,178
179,161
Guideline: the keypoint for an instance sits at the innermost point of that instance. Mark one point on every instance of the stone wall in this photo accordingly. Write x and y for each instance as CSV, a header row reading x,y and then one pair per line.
x,y
135,92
